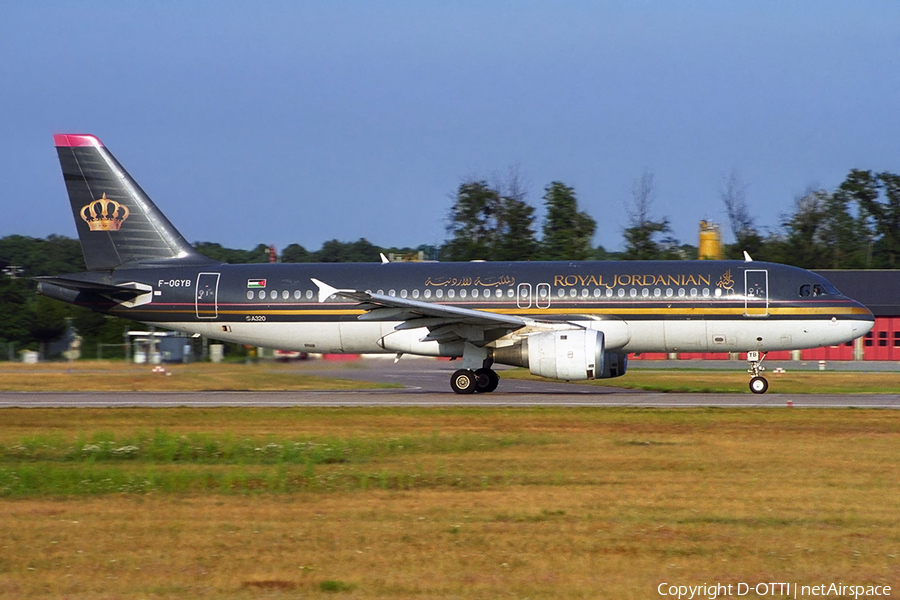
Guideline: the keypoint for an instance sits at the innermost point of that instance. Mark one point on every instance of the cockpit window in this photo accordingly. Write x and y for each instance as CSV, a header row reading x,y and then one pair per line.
x,y
818,289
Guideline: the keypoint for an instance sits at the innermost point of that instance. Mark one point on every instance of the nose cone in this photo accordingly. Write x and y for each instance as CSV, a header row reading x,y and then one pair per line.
x,y
862,320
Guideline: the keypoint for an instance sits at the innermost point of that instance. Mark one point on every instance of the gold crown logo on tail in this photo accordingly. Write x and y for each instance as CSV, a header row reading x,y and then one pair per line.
x,y
104,214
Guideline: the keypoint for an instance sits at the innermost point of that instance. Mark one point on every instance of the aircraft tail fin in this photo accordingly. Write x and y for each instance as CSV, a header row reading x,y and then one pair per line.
x,y
117,222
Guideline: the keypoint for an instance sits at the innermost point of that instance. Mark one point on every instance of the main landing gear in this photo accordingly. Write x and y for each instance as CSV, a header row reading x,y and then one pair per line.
x,y
758,384
467,381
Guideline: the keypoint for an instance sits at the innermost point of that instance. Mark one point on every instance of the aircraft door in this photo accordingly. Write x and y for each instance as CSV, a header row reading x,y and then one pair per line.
x,y
756,293
206,296
542,300
523,295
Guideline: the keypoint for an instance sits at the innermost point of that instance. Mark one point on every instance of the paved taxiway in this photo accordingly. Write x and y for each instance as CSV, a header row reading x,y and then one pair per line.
x,y
427,384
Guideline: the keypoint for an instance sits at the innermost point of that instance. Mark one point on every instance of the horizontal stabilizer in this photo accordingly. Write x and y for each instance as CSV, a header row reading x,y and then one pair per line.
x,y
130,294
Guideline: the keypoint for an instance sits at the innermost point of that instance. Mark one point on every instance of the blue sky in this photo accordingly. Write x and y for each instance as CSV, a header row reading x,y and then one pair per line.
x,y
281,122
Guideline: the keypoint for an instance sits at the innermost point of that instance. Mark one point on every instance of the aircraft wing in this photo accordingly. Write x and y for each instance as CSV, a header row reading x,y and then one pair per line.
x,y
444,322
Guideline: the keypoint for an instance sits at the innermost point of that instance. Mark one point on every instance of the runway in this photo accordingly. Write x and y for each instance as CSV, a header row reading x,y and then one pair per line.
x,y
426,384
383,398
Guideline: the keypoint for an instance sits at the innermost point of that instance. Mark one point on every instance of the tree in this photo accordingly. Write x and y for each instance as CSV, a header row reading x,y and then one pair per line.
x,y
878,198
803,241
491,222
747,237
233,256
639,236
334,251
473,224
567,231
295,253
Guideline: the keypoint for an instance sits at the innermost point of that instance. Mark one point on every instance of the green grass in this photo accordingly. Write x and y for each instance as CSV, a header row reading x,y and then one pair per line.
x,y
165,461
735,382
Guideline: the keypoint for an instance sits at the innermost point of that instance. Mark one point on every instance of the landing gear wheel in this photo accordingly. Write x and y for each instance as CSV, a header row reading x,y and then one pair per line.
x,y
464,381
487,381
759,385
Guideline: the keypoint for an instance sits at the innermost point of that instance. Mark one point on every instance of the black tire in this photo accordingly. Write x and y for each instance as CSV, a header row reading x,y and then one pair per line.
x,y
487,381
463,381
759,385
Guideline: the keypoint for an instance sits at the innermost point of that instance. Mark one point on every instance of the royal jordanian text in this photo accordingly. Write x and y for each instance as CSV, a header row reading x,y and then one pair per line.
x,y
644,280
777,589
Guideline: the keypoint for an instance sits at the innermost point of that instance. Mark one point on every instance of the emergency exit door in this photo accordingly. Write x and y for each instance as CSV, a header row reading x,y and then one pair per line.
x,y
756,293
206,295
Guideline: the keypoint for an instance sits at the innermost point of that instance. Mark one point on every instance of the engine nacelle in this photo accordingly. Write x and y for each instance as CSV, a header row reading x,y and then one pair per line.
x,y
570,355
614,365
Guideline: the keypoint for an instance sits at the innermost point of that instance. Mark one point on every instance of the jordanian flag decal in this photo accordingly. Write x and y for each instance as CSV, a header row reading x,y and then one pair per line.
x,y
256,283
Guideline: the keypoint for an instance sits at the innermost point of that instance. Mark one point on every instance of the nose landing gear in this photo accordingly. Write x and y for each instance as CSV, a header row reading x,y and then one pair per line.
x,y
758,384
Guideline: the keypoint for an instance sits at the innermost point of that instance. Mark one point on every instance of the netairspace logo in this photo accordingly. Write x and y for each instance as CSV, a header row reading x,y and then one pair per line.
x,y
783,589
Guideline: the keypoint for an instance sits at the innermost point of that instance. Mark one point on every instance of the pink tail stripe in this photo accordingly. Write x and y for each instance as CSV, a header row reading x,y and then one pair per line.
x,y
74,140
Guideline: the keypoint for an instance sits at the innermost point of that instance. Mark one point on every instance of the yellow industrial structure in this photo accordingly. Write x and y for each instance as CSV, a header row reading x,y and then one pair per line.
x,y
710,241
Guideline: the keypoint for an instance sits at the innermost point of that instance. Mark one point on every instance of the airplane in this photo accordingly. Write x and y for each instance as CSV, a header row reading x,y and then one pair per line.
x,y
565,320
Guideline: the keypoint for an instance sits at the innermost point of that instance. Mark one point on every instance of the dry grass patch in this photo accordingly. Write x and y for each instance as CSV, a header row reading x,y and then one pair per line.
x,y
110,376
588,503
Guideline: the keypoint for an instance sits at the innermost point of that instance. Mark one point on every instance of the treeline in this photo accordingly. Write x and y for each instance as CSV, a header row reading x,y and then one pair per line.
x,y
29,321
854,226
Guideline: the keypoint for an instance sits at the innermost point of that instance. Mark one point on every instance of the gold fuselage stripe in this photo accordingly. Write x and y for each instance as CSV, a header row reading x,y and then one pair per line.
x,y
697,311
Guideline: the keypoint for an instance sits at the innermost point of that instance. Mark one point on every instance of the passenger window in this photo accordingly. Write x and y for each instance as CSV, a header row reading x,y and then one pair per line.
x,y
403,293
451,293
621,293
262,294
392,293
573,292
462,293
297,294
669,292
596,292
273,295
250,295
474,293
693,292
439,294
510,293
706,292
718,292
543,291
633,293
584,293
428,293
645,293
285,295
681,292
499,293
609,293
309,294
415,293
657,293
804,290
561,292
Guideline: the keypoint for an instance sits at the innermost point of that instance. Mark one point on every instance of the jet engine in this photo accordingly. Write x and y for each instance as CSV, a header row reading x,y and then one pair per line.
x,y
571,355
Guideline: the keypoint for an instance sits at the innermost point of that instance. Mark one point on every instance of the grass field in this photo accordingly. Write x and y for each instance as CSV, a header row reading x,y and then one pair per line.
x,y
113,376
735,381
442,503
